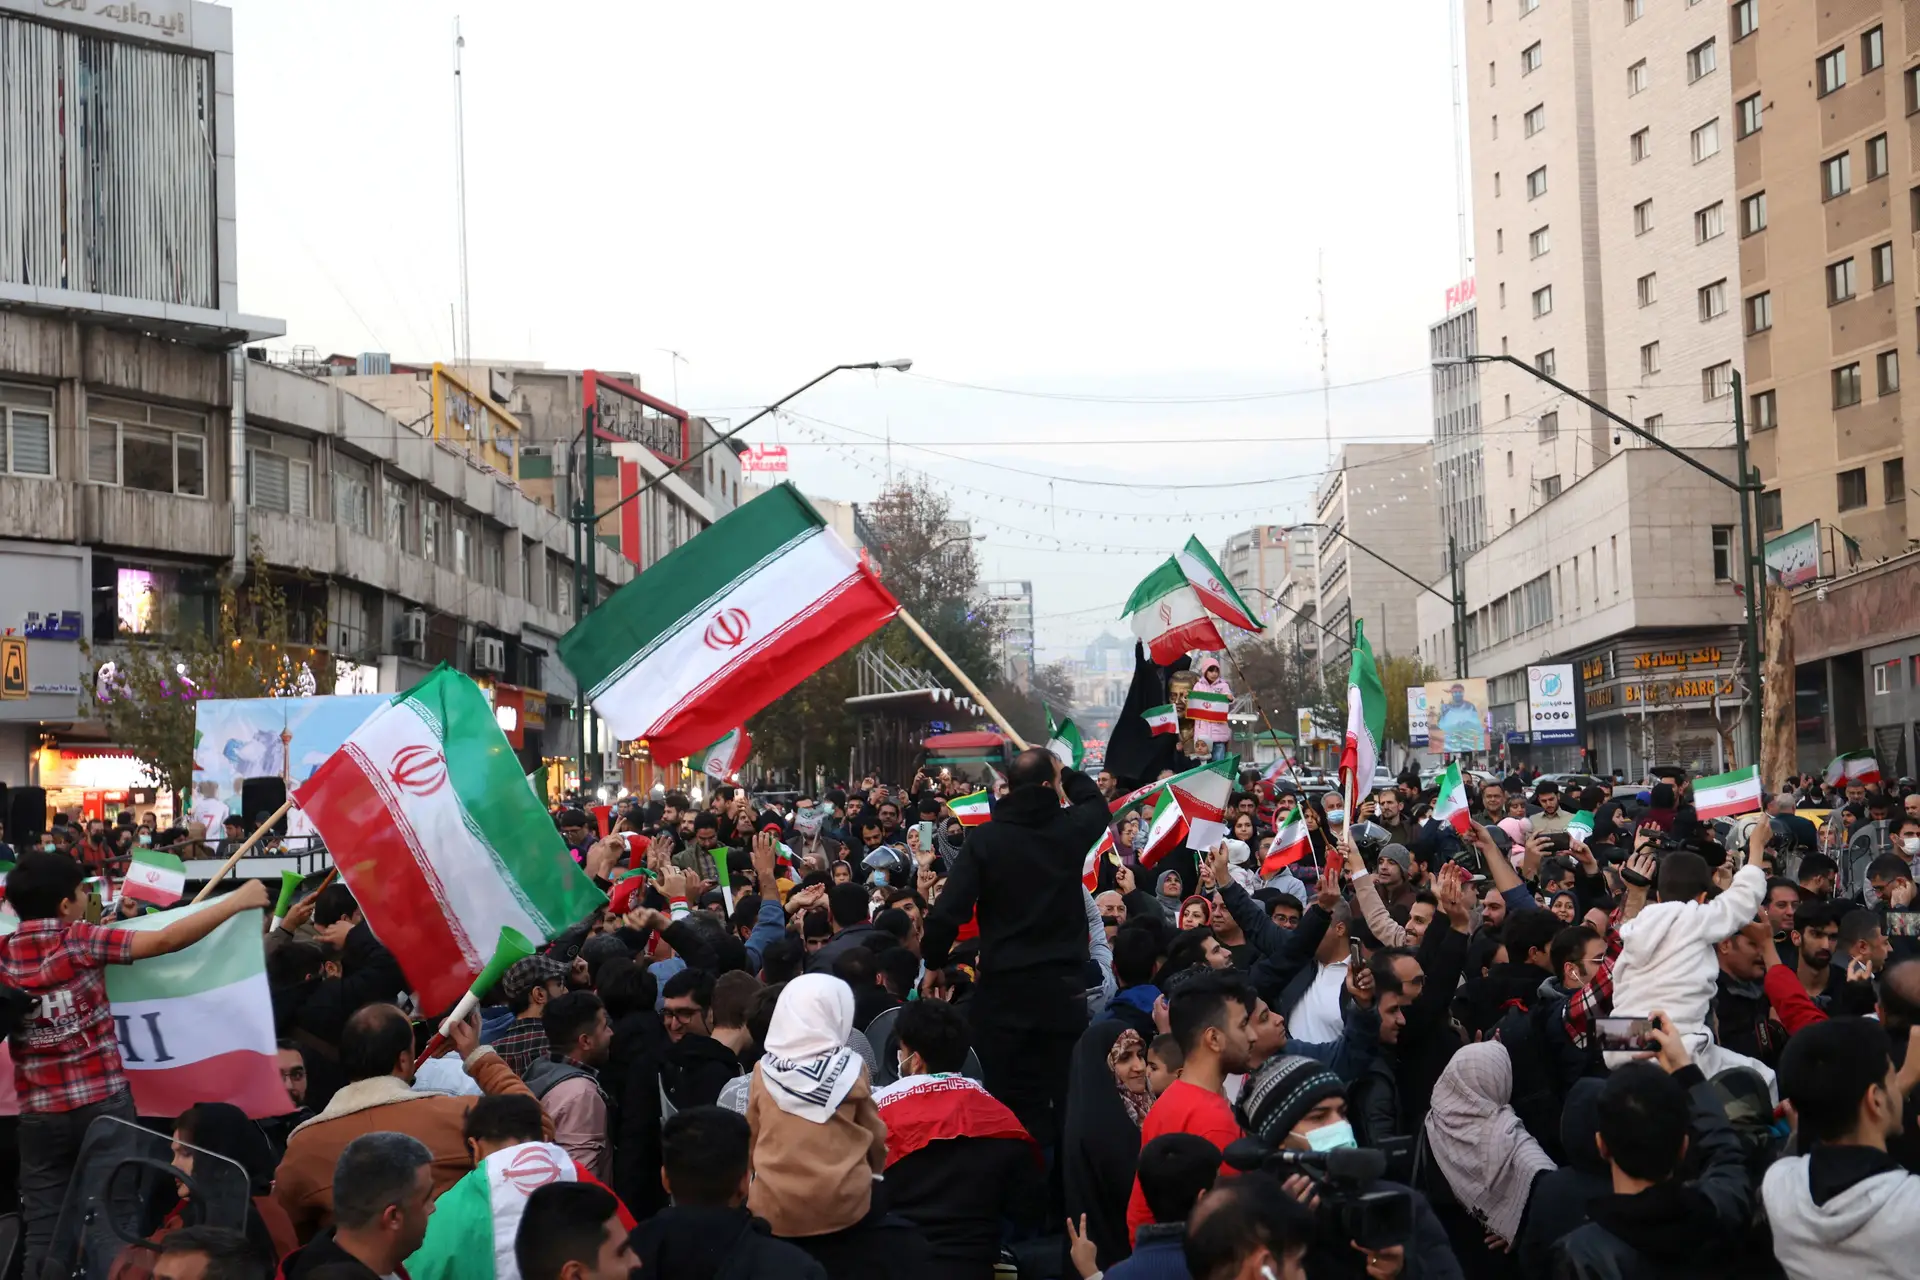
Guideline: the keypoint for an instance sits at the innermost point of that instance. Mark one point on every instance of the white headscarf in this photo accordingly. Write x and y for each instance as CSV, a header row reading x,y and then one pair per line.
x,y
808,1067
1487,1155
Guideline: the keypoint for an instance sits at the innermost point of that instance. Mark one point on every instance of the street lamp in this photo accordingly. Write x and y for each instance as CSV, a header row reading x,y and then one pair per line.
x,y
1746,487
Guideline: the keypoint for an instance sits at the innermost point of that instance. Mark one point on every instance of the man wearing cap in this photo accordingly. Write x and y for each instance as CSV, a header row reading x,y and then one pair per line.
x,y
1552,819
527,986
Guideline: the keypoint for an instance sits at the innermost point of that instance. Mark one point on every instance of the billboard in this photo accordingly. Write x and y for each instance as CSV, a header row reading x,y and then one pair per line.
x,y
239,738
1793,558
764,460
1553,704
1416,715
1457,715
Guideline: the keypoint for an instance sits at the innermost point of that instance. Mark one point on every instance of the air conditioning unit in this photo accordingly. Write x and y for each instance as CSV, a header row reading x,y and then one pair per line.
x,y
489,654
413,626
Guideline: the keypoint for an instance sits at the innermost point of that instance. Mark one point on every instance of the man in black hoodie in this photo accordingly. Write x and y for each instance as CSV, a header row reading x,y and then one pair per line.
x,y
708,1231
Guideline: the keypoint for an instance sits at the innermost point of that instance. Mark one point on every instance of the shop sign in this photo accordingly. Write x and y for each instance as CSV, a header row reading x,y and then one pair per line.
x,y
62,625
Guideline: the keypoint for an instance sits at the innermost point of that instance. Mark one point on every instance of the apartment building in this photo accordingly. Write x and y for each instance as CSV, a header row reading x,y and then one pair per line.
x,y
1010,606
1459,447
1829,198
1602,139
1378,497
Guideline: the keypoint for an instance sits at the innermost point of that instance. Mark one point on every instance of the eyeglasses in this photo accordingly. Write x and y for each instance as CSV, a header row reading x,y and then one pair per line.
x,y
672,1014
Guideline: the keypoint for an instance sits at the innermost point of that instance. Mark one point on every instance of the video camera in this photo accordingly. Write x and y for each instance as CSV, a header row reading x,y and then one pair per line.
x,y
1374,1220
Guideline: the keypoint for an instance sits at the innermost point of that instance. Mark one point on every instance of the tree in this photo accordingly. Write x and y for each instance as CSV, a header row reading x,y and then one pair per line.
x,y
1398,673
259,647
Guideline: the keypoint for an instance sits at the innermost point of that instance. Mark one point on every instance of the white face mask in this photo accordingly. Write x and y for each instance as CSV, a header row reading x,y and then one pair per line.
x,y
1911,845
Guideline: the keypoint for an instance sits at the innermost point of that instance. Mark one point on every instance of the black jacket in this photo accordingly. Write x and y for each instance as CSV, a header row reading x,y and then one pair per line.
x,y
864,934
691,1073
319,1252
1745,1017
1394,1091
1676,1229
1561,1196
1429,1255
958,1191
1284,953
1022,870
680,1243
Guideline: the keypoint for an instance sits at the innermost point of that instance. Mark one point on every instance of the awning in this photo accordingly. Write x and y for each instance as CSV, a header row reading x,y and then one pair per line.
x,y
965,743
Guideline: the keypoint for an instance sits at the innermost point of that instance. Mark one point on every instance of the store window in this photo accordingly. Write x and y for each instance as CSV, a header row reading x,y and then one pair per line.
x,y
137,598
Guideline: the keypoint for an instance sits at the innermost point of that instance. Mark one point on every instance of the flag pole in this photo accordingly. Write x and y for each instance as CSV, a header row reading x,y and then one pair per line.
x,y
966,682
241,852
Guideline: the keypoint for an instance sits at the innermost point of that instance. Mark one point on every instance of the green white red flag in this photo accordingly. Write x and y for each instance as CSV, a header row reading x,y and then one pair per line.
x,y
1202,794
1063,740
971,810
1580,826
1726,795
155,877
1210,583
1165,612
1291,843
724,624
1164,823
1450,804
1162,719
1850,766
1210,708
441,840
1090,869
723,759
1366,716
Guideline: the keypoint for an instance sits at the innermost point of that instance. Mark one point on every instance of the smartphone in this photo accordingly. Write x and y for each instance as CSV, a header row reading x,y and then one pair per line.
x,y
1624,1035
1559,841
1353,957
926,836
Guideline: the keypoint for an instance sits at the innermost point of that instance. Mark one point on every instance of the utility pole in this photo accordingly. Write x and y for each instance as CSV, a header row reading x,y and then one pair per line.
x,y
465,353
1454,571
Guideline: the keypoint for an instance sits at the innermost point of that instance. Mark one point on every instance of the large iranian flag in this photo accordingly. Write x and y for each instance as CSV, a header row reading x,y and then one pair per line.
x,y
1210,583
1202,794
435,830
1366,715
475,1221
1849,766
724,624
1165,612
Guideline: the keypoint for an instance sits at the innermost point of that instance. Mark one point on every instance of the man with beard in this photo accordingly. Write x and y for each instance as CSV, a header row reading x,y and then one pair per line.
x,y
1816,926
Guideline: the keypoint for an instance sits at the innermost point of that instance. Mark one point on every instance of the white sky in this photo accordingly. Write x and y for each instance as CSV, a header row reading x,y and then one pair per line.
x,y
1106,200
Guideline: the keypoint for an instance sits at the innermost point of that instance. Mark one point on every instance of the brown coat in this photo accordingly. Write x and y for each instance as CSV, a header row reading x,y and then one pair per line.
x,y
809,1179
303,1184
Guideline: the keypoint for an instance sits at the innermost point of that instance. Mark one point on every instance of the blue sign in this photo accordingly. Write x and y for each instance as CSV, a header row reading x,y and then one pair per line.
x,y
64,625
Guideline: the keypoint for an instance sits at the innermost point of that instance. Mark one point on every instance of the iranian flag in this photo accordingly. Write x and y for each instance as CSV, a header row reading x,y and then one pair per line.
x,y
1090,869
724,758
1165,612
1726,794
1451,804
1063,740
1290,844
442,842
724,624
1164,823
155,877
1211,708
1851,766
1202,794
1204,575
1580,826
971,810
1162,719
483,1211
1366,716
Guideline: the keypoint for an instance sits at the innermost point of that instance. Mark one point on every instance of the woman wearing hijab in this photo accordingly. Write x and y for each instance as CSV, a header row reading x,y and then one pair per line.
x,y
1489,1160
1126,839
1167,892
1128,1062
1565,906
1194,912
1101,1140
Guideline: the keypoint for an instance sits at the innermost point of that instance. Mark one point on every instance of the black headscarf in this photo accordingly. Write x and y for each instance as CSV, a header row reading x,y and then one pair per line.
x,y
1101,1146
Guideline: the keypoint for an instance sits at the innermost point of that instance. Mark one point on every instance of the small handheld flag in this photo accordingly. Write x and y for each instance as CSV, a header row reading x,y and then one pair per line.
x,y
1063,740
971,810
1727,795
1451,804
1162,719
1290,844
156,878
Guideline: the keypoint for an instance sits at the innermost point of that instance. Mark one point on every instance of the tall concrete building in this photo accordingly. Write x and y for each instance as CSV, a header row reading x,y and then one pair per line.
x,y
1011,605
1382,495
1829,208
1604,231
1459,447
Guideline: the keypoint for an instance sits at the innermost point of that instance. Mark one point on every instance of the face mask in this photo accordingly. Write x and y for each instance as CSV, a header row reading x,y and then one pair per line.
x,y
147,841
1911,845
1331,1137
1336,816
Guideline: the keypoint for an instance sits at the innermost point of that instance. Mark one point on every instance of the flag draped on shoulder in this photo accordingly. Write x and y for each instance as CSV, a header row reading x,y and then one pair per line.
x,y
1063,740
724,624
1852,766
1204,575
724,758
1450,805
1165,612
1366,715
1727,795
475,1221
442,842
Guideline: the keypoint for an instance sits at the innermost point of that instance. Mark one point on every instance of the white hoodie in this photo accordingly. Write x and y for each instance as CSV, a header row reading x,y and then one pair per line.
x,y
1870,1231
1667,961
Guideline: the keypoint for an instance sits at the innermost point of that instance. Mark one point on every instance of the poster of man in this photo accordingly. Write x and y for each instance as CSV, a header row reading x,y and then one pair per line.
x,y
1457,715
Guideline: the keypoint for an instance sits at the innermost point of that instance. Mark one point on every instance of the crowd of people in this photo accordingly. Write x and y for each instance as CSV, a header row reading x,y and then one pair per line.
x,y
849,1036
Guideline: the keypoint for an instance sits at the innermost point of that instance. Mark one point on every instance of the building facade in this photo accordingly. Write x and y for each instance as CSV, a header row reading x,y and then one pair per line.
x,y
1382,496
1010,604
1459,474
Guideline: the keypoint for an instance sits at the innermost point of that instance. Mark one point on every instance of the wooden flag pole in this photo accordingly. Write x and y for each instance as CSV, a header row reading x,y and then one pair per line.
x,y
966,682
234,859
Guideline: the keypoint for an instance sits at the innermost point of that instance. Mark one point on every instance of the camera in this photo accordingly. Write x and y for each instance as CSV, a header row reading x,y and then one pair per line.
x,y
1373,1219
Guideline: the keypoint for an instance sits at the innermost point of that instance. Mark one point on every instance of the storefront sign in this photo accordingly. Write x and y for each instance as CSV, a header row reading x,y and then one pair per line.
x,y
13,667
63,625
1681,658
1793,558
1552,704
764,460
510,712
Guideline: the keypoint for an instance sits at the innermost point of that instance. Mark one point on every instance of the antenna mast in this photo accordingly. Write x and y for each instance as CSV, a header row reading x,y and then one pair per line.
x,y
1455,19
1326,381
465,336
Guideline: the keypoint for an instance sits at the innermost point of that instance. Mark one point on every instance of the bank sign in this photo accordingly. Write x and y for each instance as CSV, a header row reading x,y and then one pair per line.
x,y
1552,708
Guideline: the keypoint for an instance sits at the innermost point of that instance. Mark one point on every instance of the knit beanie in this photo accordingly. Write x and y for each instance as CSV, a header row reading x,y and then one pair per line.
x,y
1281,1092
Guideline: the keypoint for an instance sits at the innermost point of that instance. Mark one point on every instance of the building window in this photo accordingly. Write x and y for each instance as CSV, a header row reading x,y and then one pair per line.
x,y
1636,10
1549,426
1753,214
1771,514
1701,60
1496,184
1764,416
432,522
1637,78
1640,145
1713,300
1760,312
1537,183
1886,367
1528,6
1746,18
1530,59
1649,286
1747,117
1852,486
1716,381
26,430
139,446
1509,462
1543,300
1881,257
1545,363
1723,553
353,494
1846,385
1503,295
1535,120
1652,424
1836,175
1709,223
1643,217
1873,53
1706,141
1839,281
1913,89
1876,157
1493,73
1893,479
1495,124
1650,358
1499,240
279,473
1538,243
1831,71
1549,488
396,511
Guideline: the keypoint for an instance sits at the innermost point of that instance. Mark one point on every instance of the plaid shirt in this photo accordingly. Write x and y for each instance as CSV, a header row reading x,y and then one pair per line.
x,y
1595,1000
522,1044
65,1053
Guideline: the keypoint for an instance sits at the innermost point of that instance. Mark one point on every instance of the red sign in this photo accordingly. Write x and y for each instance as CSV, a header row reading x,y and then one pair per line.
x,y
765,459
1459,295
